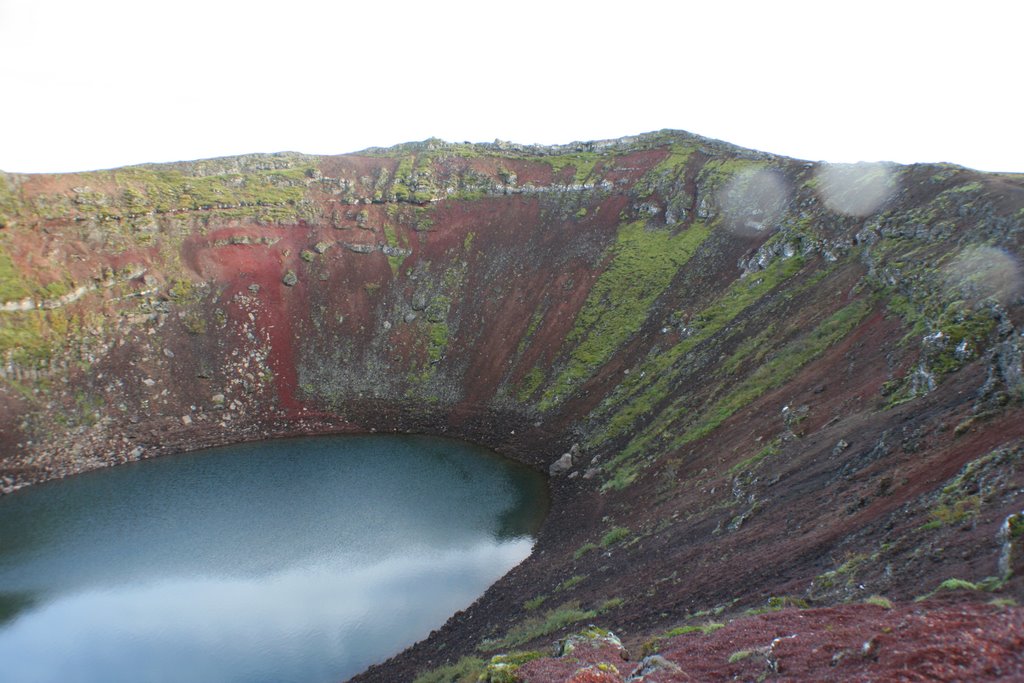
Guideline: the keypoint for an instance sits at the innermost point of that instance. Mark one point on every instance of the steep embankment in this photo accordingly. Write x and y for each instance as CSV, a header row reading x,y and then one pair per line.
x,y
777,382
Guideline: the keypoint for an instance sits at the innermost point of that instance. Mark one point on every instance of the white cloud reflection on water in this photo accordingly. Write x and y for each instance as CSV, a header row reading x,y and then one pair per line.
x,y
321,623
291,560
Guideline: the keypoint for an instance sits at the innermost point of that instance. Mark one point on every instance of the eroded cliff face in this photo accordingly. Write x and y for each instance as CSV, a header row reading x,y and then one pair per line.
x,y
757,378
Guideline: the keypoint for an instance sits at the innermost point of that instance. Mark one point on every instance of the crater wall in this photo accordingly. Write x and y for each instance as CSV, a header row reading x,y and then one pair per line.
x,y
751,377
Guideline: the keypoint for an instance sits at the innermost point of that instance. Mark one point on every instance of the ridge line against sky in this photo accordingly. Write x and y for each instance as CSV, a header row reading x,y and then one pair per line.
x,y
116,82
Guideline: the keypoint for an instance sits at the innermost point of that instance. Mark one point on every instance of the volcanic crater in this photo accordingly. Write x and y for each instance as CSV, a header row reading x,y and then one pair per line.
x,y
780,402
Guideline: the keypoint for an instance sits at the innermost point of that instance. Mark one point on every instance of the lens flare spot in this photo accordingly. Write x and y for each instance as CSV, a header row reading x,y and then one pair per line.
x,y
855,189
983,272
753,200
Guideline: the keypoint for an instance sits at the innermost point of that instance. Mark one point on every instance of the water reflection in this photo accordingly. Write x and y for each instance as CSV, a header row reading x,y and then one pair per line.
x,y
282,561
307,619
11,604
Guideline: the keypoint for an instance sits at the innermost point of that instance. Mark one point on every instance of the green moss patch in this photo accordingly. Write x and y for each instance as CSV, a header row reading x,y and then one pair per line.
x,y
780,368
879,601
167,190
536,627
962,497
770,450
653,645
24,337
642,391
534,603
614,536
529,384
666,171
265,194
582,163
466,670
643,264
583,550
571,582
12,283
10,204
987,584
774,372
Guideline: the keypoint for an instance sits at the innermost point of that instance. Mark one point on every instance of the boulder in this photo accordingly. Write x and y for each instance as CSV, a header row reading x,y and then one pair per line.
x,y
1011,538
564,463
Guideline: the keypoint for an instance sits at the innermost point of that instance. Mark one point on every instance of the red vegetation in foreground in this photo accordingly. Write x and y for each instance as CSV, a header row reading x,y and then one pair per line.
x,y
934,640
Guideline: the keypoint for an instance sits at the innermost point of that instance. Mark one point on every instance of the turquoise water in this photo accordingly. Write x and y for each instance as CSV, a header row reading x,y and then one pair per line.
x,y
293,560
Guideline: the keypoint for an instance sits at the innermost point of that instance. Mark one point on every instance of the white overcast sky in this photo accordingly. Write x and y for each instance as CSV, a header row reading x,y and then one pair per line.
x,y
90,84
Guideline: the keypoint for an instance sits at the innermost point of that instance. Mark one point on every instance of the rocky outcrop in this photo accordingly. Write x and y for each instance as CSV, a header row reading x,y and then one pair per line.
x,y
751,378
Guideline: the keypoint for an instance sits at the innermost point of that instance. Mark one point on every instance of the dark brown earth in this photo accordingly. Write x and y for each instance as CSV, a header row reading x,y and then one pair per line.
x,y
773,402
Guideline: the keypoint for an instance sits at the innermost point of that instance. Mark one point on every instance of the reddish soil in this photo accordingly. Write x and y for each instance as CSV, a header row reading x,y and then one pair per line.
x,y
946,640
